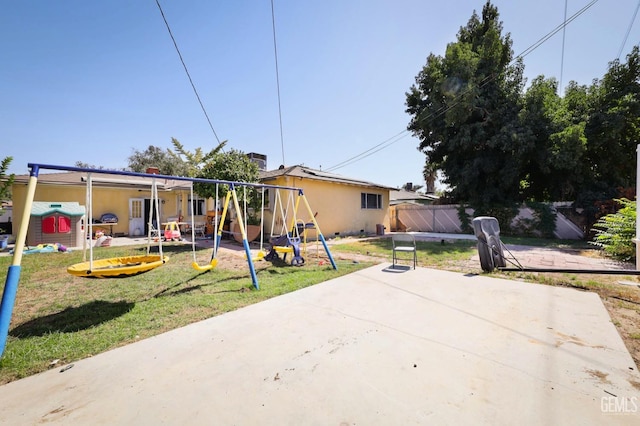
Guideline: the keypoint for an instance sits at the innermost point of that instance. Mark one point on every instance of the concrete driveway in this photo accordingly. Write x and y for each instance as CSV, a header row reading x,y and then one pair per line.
x,y
376,347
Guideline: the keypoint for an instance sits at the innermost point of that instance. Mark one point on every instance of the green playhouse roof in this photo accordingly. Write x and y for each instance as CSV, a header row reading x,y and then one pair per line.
x,y
69,208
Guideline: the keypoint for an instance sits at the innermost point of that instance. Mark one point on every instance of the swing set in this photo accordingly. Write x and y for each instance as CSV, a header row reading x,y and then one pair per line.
x,y
132,265
292,232
119,267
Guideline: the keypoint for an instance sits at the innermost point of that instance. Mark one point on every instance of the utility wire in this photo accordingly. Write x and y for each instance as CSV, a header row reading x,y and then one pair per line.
x,y
382,145
187,71
275,53
553,32
456,101
628,30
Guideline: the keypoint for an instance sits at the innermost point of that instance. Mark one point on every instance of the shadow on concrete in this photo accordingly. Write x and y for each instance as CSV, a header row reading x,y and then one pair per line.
x,y
397,269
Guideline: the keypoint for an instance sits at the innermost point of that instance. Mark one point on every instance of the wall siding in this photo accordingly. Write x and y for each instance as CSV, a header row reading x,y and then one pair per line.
x,y
105,200
337,205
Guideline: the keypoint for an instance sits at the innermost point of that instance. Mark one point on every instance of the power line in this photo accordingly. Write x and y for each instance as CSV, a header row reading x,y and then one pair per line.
x,y
382,145
553,32
628,30
275,53
456,100
187,71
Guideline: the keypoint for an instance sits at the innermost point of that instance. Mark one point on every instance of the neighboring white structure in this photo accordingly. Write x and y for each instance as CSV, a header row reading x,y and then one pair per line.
x,y
401,196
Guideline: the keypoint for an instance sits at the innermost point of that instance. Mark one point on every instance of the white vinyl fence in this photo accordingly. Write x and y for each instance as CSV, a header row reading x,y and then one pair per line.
x,y
444,219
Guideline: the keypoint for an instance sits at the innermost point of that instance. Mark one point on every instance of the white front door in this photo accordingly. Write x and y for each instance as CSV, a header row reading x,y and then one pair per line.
x,y
136,217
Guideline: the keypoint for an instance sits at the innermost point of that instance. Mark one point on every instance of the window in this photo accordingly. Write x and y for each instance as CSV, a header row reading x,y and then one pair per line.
x,y
196,207
370,201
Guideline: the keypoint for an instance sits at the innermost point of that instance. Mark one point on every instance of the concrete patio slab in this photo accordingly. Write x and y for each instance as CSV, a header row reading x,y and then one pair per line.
x,y
376,347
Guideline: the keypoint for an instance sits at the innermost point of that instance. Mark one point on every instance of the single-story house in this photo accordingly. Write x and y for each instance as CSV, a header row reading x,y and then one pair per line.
x,y
341,205
126,199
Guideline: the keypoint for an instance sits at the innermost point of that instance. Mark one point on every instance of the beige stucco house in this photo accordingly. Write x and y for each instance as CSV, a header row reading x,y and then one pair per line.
x,y
341,205
126,197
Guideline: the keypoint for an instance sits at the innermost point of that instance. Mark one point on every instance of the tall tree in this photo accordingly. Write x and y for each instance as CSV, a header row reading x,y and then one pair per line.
x,y
180,162
195,160
464,109
613,129
85,165
165,160
234,166
556,144
539,107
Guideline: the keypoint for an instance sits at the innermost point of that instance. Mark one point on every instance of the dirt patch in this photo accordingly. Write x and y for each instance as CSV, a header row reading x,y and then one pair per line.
x,y
232,256
625,315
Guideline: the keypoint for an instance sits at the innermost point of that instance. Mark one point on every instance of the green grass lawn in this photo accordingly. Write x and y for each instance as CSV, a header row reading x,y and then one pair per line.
x,y
61,317
433,254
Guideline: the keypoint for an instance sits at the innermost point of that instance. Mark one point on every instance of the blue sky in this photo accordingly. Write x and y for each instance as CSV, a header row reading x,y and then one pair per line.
x,y
92,81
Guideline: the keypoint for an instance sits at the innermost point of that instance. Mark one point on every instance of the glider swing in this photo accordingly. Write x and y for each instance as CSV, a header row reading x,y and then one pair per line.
x,y
286,242
118,267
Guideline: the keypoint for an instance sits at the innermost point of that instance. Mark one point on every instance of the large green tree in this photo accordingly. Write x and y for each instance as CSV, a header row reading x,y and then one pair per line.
x,y
540,105
613,128
176,162
233,166
165,160
194,161
464,108
554,158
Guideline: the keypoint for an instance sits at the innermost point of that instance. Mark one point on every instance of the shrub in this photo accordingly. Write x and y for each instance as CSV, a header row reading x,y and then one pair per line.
x,y
504,214
465,219
543,223
615,232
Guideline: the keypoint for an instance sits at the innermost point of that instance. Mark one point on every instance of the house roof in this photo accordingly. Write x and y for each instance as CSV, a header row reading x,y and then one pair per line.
x,y
109,179
309,173
102,179
404,196
69,208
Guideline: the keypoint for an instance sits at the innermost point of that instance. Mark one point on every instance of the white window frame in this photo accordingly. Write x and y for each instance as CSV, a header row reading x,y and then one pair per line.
x,y
370,201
